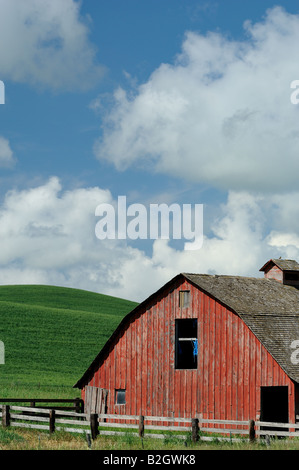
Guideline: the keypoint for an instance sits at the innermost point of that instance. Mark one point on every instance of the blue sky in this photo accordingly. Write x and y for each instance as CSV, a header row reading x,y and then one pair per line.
x,y
161,101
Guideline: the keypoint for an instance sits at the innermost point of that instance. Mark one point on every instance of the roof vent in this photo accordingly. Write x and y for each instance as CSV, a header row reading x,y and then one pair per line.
x,y
285,271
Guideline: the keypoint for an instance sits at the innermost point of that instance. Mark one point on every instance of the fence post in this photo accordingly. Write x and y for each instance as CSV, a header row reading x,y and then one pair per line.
x,y
77,405
52,421
195,430
5,416
251,430
94,428
141,426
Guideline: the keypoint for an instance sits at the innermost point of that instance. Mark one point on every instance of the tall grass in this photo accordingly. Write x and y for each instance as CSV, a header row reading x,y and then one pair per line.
x,y
23,439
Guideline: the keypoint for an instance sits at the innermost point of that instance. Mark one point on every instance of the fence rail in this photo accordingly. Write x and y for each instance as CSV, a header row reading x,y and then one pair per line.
x,y
76,404
95,425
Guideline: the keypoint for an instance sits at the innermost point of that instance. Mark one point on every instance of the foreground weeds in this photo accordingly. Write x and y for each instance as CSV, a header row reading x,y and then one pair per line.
x,y
21,439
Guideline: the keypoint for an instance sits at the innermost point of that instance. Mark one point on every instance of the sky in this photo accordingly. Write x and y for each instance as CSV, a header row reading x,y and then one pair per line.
x,y
163,102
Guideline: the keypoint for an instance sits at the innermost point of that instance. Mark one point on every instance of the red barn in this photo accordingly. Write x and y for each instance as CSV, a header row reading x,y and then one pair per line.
x,y
207,346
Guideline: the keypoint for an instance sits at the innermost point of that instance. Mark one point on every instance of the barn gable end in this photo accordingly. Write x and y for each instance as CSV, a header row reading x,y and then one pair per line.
x,y
237,350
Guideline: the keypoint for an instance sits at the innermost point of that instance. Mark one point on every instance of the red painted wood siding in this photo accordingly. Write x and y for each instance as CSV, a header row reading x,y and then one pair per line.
x,y
232,364
274,273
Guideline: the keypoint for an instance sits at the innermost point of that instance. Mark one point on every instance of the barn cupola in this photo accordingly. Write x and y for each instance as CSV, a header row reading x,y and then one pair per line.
x,y
285,271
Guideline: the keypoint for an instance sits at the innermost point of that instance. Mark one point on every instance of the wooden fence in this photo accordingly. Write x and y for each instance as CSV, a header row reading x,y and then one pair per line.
x,y
75,404
95,425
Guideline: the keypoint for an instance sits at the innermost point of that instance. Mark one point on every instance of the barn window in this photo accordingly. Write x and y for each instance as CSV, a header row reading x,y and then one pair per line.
x,y
184,298
186,344
291,276
120,397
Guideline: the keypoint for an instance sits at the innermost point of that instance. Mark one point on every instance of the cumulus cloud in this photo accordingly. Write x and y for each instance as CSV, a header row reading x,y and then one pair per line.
x,y
48,237
45,43
241,239
220,114
48,229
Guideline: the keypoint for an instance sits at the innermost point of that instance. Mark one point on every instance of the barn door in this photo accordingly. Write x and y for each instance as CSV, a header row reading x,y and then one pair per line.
x,y
274,406
95,400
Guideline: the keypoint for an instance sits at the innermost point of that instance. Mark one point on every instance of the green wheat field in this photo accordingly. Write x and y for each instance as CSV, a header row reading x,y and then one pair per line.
x,y
51,335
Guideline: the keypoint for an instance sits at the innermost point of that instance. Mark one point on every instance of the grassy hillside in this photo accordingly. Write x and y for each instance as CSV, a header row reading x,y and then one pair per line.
x,y
51,334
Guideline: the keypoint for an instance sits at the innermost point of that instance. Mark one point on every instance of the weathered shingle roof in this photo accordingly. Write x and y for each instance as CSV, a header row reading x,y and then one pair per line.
x,y
283,264
250,294
269,308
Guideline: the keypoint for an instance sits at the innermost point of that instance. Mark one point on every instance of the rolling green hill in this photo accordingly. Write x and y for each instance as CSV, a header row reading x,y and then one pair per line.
x,y
51,335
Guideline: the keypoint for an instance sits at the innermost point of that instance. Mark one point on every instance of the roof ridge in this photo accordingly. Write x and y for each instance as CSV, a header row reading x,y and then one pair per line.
x,y
238,276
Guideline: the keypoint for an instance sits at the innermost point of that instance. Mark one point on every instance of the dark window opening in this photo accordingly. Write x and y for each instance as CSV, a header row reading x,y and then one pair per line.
x,y
184,298
291,276
186,344
120,397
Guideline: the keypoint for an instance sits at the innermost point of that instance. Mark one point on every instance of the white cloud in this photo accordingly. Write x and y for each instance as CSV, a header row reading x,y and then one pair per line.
x,y
6,154
47,230
240,242
221,114
48,237
45,43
